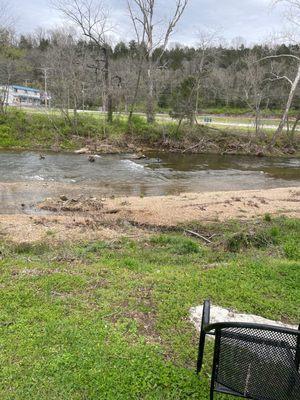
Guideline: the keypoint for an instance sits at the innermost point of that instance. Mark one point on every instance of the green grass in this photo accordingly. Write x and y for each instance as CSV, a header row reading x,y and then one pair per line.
x,y
36,130
109,320
241,111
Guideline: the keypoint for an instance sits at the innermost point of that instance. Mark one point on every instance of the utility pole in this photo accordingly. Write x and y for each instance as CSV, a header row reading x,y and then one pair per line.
x,y
45,72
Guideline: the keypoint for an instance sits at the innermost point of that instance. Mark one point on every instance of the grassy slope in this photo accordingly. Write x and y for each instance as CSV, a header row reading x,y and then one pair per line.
x,y
52,132
110,320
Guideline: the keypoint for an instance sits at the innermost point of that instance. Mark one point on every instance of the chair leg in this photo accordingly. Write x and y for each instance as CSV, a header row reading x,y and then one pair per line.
x,y
212,394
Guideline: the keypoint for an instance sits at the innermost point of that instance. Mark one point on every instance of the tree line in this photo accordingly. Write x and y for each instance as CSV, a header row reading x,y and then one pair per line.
x,y
85,69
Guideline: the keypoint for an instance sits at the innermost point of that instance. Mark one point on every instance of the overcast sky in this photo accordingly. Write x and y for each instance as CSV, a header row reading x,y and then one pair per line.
x,y
253,20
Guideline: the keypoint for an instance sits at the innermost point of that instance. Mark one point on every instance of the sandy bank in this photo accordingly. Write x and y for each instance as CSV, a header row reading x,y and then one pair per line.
x,y
130,216
211,206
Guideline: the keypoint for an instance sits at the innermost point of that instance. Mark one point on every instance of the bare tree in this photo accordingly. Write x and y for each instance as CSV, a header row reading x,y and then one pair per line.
x,y
66,64
293,15
8,56
254,88
208,40
92,18
143,15
6,15
140,37
293,83
292,10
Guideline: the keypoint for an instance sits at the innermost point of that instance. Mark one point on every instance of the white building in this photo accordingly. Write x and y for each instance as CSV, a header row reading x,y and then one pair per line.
x,y
21,96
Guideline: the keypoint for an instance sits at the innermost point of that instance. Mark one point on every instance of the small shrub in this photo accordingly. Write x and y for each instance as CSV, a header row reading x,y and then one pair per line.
x,y
130,263
258,239
292,223
292,250
268,217
236,242
29,248
187,247
95,247
177,244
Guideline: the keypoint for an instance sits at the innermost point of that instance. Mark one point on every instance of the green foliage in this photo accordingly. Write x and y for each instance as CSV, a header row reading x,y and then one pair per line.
x,y
164,98
263,235
268,217
37,130
177,244
292,249
258,239
183,101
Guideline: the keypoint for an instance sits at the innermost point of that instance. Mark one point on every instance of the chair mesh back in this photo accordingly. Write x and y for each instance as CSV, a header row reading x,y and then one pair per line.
x,y
258,364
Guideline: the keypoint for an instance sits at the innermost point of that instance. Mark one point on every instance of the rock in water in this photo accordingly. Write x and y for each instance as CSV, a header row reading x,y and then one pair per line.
x,y
138,156
84,150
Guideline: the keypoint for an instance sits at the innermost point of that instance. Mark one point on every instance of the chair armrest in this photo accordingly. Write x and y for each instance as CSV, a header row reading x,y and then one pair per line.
x,y
297,357
205,314
204,322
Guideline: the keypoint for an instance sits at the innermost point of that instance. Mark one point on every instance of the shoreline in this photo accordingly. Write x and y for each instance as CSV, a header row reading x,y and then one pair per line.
x,y
259,151
111,218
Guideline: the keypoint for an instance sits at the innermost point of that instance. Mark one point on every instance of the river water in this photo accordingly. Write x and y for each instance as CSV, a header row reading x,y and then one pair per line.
x,y
26,179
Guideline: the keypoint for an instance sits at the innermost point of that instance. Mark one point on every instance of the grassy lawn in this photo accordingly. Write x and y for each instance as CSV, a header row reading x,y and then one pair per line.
x,y
109,320
231,119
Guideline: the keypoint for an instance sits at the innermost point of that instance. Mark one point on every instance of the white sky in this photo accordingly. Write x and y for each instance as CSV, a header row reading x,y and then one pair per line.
x,y
253,20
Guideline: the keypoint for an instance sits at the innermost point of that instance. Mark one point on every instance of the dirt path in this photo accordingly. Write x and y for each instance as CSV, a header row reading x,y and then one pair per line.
x,y
109,219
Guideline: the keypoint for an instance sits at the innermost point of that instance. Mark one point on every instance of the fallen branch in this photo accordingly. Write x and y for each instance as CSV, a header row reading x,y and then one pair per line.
x,y
198,236
194,146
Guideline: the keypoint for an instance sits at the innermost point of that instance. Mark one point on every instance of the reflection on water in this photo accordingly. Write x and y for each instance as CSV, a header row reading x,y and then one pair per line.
x,y
158,174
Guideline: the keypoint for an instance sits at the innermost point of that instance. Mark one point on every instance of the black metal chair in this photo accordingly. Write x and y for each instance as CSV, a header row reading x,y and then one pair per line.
x,y
252,361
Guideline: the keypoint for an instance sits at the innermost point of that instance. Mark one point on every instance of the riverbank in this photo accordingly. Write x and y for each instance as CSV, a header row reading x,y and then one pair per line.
x,y
69,218
51,131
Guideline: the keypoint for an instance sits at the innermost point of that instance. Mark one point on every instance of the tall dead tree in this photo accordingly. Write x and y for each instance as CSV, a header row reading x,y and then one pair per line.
x,y
92,19
293,16
293,83
155,38
140,37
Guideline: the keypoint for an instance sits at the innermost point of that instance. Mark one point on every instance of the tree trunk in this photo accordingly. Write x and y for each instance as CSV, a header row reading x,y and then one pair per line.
x,y
136,91
108,94
293,130
197,99
288,106
178,126
256,123
257,118
295,124
150,99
